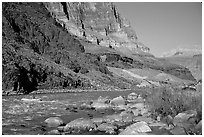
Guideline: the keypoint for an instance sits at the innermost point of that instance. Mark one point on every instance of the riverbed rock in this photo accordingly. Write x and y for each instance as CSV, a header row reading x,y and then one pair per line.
x,y
158,124
120,107
143,111
140,112
169,120
85,106
101,103
136,112
97,121
185,119
118,101
137,106
138,128
138,109
38,129
54,121
132,96
72,107
130,132
198,127
158,118
127,116
121,124
54,132
31,100
112,118
98,105
148,120
103,99
140,99
107,128
60,128
178,131
79,125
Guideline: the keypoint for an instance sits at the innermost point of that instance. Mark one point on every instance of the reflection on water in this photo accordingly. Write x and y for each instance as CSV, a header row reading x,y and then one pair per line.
x,y
24,117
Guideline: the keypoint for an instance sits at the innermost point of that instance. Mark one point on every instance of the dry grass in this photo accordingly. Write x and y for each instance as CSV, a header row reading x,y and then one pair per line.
x,y
168,101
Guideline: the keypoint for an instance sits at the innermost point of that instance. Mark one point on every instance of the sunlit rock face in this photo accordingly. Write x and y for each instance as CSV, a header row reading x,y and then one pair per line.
x,y
98,22
70,45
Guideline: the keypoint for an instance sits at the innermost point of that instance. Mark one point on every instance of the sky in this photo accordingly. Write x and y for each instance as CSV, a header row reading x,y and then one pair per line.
x,y
165,26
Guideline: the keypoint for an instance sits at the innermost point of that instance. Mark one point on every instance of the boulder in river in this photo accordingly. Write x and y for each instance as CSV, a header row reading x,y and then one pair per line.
x,y
140,99
143,111
54,121
144,118
198,127
112,118
97,121
54,132
137,106
158,124
85,106
185,119
107,128
103,100
31,99
138,109
139,128
127,116
60,128
132,96
80,124
136,112
101,103
120,107
178,131
118,101
72,107
169,120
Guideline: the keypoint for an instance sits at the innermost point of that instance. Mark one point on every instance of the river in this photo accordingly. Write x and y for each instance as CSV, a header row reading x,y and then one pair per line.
x,y
21,117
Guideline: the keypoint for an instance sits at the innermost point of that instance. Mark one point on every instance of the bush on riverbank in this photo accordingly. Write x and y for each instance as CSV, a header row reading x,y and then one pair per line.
x,y
168,101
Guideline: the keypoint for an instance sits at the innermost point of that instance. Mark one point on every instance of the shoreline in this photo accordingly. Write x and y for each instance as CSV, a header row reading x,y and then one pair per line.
x,y
54,91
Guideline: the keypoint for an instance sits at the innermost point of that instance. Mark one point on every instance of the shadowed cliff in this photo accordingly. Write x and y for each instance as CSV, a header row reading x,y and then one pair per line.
x,y
49,53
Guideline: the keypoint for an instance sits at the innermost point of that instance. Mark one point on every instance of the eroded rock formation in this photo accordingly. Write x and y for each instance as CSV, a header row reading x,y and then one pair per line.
x,y
70,45
98,22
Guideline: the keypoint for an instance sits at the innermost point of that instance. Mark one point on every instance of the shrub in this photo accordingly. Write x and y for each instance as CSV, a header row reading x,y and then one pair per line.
x,y
169,101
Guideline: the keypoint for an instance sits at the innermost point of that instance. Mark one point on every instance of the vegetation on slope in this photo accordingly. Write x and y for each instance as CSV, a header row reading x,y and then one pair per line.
x,y
37,47
32,37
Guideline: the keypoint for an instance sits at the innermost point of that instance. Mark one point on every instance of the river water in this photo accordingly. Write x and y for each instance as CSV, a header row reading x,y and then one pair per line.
x,y
22,117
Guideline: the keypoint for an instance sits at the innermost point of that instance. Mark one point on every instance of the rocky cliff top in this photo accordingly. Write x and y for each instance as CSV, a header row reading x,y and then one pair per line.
x,y
73,45
98,22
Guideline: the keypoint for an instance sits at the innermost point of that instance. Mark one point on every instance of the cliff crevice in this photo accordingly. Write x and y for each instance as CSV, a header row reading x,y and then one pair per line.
x,y
71,45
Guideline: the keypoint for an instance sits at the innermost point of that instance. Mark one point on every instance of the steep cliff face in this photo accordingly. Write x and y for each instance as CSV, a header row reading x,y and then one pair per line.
x,y
99,23
64,45
34,42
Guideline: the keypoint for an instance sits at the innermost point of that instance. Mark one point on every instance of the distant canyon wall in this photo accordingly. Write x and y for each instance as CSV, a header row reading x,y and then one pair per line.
x,y
98,22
